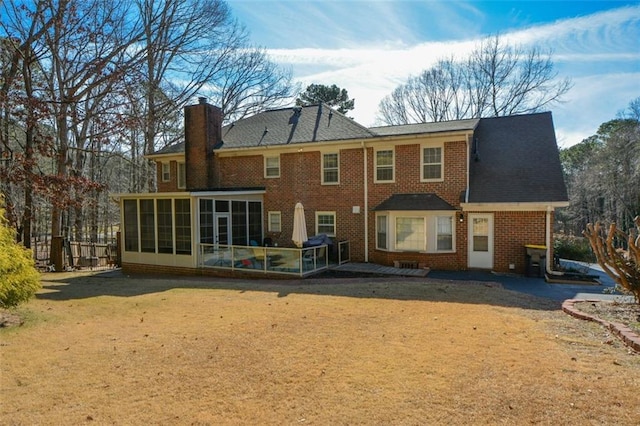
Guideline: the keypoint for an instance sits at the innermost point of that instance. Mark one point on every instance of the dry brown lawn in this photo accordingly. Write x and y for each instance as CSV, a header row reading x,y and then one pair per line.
x,y
150,350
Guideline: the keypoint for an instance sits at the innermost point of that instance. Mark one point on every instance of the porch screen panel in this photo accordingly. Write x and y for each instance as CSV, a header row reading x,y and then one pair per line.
x,y
131,225
239,230
206,221
255,221
147,227
183,226
165,226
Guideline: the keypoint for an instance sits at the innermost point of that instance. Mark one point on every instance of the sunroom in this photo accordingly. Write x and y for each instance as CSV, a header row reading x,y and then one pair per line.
x,y
212,229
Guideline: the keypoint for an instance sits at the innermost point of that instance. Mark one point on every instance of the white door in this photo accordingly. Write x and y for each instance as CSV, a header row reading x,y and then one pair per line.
x,y
480,241
222,230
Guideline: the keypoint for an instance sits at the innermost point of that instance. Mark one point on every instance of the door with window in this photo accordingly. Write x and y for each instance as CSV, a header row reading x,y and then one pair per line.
x,y
222,229
480,241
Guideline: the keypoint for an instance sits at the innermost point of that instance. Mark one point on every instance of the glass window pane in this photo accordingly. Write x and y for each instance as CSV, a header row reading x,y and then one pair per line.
x,y
275,221
326,224
330,168
432,163
480,243
182,175
445,233
381,224
480,234
272,166
410,233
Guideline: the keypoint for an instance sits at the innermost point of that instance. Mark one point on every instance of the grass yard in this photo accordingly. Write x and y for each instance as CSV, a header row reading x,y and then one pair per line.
x,y
114,349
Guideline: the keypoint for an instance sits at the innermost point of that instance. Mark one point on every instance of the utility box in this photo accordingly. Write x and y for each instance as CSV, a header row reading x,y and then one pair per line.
x,y
536,260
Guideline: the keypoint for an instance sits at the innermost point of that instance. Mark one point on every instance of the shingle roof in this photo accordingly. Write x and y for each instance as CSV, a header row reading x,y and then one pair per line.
x,y
517,161
442,126
315,123
423,201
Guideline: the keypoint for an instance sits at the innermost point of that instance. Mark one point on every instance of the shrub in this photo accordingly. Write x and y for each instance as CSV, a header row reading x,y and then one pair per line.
x,y
573,248
19,279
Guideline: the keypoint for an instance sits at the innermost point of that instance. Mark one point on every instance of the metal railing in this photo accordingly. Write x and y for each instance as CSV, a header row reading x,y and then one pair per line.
x,y
275,260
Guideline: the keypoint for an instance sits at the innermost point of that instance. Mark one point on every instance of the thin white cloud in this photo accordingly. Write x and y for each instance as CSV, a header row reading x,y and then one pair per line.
x,y
607,39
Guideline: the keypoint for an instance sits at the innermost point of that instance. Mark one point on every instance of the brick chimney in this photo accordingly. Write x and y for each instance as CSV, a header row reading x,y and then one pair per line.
x,y
202,132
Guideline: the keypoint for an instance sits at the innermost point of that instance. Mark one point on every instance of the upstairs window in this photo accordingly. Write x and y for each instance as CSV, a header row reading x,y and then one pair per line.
x,y
432,163
272,167
182,176
166,172
330,169
384,165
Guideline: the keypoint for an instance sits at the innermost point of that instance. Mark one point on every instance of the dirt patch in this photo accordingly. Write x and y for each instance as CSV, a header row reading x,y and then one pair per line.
x,y
613,311
10,319
113,349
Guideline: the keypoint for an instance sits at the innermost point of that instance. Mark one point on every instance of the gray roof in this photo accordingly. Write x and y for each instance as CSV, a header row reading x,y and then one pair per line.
x,y
515,159
422,201
315,123
442,126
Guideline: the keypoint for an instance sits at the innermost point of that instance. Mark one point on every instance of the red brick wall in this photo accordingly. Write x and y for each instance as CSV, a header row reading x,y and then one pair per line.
x,y
203,123
172,184
512,231
300,181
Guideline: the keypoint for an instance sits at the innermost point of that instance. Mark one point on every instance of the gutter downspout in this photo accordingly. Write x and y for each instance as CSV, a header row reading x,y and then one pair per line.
x,y
469,147
548,230
366,205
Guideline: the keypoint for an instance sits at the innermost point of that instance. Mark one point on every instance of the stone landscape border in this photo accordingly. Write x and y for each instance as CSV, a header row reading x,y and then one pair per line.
x,y
630,338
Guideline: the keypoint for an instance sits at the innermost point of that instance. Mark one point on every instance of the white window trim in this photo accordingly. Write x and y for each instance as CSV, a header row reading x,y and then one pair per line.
x,y
393,165
453,233
318,214
422,249
183,184
430,226
322,168
266,157
279,216
422,163
166,174
387,246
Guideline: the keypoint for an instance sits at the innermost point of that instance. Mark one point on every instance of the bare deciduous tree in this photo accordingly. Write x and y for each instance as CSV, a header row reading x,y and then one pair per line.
x,y
621,263
497,79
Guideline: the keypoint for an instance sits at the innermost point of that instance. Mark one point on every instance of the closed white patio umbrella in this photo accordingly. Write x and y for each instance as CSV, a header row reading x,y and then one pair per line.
x,y
299,236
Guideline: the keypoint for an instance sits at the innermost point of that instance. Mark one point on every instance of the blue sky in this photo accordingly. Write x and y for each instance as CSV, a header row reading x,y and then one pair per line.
x,y
369,47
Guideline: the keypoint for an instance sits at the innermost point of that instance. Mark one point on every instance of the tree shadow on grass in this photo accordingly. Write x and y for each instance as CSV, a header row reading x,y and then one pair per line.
x,y
118,284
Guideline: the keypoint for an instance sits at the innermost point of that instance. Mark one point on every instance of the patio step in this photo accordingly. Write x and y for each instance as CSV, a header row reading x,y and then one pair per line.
x,y
372,268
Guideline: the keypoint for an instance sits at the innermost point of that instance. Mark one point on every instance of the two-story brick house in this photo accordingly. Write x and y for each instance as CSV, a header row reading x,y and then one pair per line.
x,y
450,195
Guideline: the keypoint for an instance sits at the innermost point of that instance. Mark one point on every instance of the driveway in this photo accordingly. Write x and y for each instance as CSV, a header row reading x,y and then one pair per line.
x,y
538,286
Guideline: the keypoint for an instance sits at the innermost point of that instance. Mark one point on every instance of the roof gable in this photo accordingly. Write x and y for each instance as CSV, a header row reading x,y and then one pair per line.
x,y
515,159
